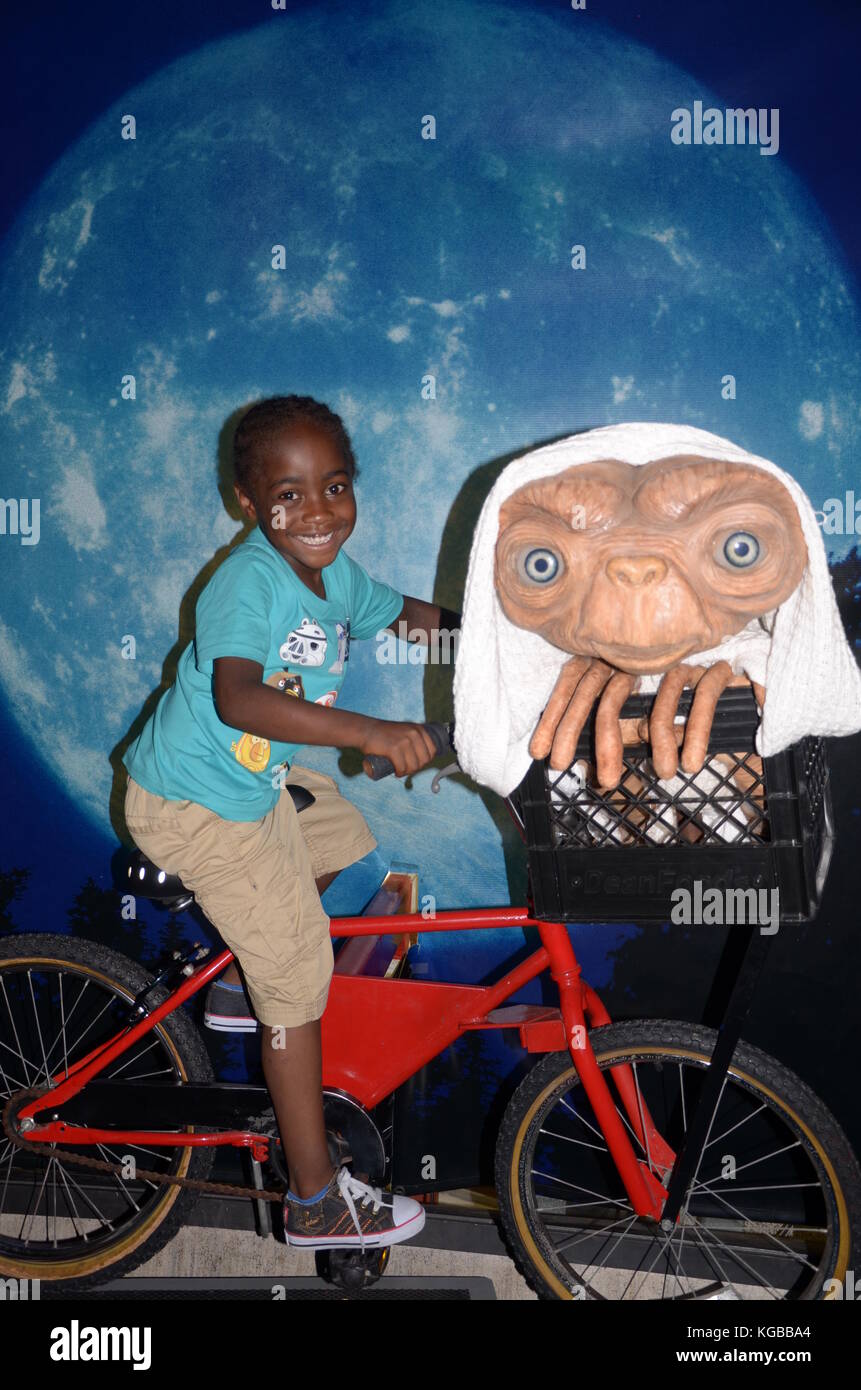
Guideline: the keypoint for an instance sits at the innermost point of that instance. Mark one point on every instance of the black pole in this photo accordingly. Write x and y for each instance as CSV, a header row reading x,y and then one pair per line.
x,y
752,958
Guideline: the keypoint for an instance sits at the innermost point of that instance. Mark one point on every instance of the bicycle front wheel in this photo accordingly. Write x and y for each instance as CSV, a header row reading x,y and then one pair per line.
x,y
773,1211
60,998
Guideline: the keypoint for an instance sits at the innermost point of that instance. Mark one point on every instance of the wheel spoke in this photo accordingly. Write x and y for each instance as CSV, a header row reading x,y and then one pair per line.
x,y
578,1187
583,1121
662,1242
68,1178
735,1255
571,1241
628,1223
711,1255
45,1177
793,1254
753,1162
20,1053
712,1119
69,1049
566,1139
678,1258
18,1083
747,1118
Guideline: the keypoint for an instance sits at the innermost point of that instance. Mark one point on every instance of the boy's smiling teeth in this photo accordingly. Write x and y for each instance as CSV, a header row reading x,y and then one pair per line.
x,y
317,539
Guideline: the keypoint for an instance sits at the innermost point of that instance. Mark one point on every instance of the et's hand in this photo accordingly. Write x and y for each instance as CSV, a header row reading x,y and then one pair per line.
x,y
666,736
408,747
708,684
579,683
583,680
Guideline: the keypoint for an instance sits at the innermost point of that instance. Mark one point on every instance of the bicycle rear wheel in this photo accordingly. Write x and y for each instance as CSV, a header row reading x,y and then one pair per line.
x,y
773,1212
61,997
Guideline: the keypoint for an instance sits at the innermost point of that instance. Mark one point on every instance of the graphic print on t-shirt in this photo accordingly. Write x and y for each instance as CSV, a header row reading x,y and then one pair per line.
x,y
288,682
305,645
252,751
337,667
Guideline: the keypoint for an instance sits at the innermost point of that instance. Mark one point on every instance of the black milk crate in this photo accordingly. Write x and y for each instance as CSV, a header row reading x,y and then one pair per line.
x,y
743,823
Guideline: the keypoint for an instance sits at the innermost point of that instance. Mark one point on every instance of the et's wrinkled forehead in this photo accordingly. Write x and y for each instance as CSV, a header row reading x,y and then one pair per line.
x,y
610,492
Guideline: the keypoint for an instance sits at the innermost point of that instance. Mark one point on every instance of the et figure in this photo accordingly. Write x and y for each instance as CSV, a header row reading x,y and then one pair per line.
x,y
644,557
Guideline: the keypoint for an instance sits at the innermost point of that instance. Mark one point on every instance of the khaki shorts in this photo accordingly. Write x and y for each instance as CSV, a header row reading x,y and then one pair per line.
x,y
254,880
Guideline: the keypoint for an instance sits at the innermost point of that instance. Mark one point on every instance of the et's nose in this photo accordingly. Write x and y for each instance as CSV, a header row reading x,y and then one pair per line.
x,y
636,571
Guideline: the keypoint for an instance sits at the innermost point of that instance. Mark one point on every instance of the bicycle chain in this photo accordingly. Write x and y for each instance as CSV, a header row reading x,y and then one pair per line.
x,y
218,1189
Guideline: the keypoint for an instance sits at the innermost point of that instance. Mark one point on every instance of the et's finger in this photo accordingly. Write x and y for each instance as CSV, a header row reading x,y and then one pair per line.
x,y
699,726
661,726
759,694
641,732
608,730
634,731
566,683
571,724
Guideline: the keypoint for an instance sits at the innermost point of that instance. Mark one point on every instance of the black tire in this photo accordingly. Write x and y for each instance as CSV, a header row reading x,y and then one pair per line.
x,y
137,1218
543,1223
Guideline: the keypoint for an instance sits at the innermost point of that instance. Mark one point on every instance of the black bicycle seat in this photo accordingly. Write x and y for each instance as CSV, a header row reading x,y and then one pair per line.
x,y
149,881
301,797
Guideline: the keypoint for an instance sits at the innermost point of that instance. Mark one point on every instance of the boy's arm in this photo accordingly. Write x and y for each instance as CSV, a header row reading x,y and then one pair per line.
x,y
423,619
244,702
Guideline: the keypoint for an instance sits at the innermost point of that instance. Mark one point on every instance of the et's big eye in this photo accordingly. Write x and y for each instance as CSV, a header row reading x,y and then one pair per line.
x,y
741,550
540,565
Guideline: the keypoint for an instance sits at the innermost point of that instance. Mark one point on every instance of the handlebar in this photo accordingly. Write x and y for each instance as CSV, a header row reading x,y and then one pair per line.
x,y
377,766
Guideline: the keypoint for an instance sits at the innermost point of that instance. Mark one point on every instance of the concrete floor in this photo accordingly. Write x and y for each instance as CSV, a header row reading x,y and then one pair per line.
x,y
214,1252
205,1252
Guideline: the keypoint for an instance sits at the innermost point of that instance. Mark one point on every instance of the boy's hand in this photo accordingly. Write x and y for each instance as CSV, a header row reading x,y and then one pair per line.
x,y
408,747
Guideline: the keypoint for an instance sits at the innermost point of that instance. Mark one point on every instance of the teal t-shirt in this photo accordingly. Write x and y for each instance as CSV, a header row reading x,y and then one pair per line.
x,y
254,606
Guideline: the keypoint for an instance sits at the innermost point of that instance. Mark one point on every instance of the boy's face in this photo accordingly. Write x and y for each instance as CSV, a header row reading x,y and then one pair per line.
x,y
302,498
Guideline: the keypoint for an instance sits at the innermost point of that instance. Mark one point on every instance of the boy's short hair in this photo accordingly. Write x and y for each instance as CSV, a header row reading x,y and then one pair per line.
x,y
265,419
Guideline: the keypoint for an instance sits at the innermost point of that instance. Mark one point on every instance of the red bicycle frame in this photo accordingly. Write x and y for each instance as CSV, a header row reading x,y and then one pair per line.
x,y
413,1021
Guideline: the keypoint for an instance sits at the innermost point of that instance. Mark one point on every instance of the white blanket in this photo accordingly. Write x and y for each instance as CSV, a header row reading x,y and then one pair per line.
x,y
504,674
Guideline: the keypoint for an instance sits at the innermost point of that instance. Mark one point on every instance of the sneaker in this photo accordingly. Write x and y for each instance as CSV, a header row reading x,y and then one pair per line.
x,y
227,1009
351,1213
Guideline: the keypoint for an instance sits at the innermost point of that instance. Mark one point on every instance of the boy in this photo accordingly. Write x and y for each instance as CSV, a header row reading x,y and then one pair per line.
x,y
207,797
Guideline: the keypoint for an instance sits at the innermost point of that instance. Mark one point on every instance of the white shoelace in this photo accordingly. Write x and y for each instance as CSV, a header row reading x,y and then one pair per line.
x,y
351,1190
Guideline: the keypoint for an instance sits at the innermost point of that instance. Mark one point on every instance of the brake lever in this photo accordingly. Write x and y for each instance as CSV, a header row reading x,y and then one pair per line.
x,y
448,771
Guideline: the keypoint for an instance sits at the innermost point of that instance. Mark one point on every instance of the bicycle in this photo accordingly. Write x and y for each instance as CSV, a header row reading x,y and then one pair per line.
x,y
639,1191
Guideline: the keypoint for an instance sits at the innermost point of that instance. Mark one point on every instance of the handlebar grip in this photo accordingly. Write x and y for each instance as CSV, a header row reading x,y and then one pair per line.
x,y
377,766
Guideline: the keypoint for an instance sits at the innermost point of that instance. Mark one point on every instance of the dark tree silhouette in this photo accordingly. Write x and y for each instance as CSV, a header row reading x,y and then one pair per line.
x,y
846,577
96,915
12,885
